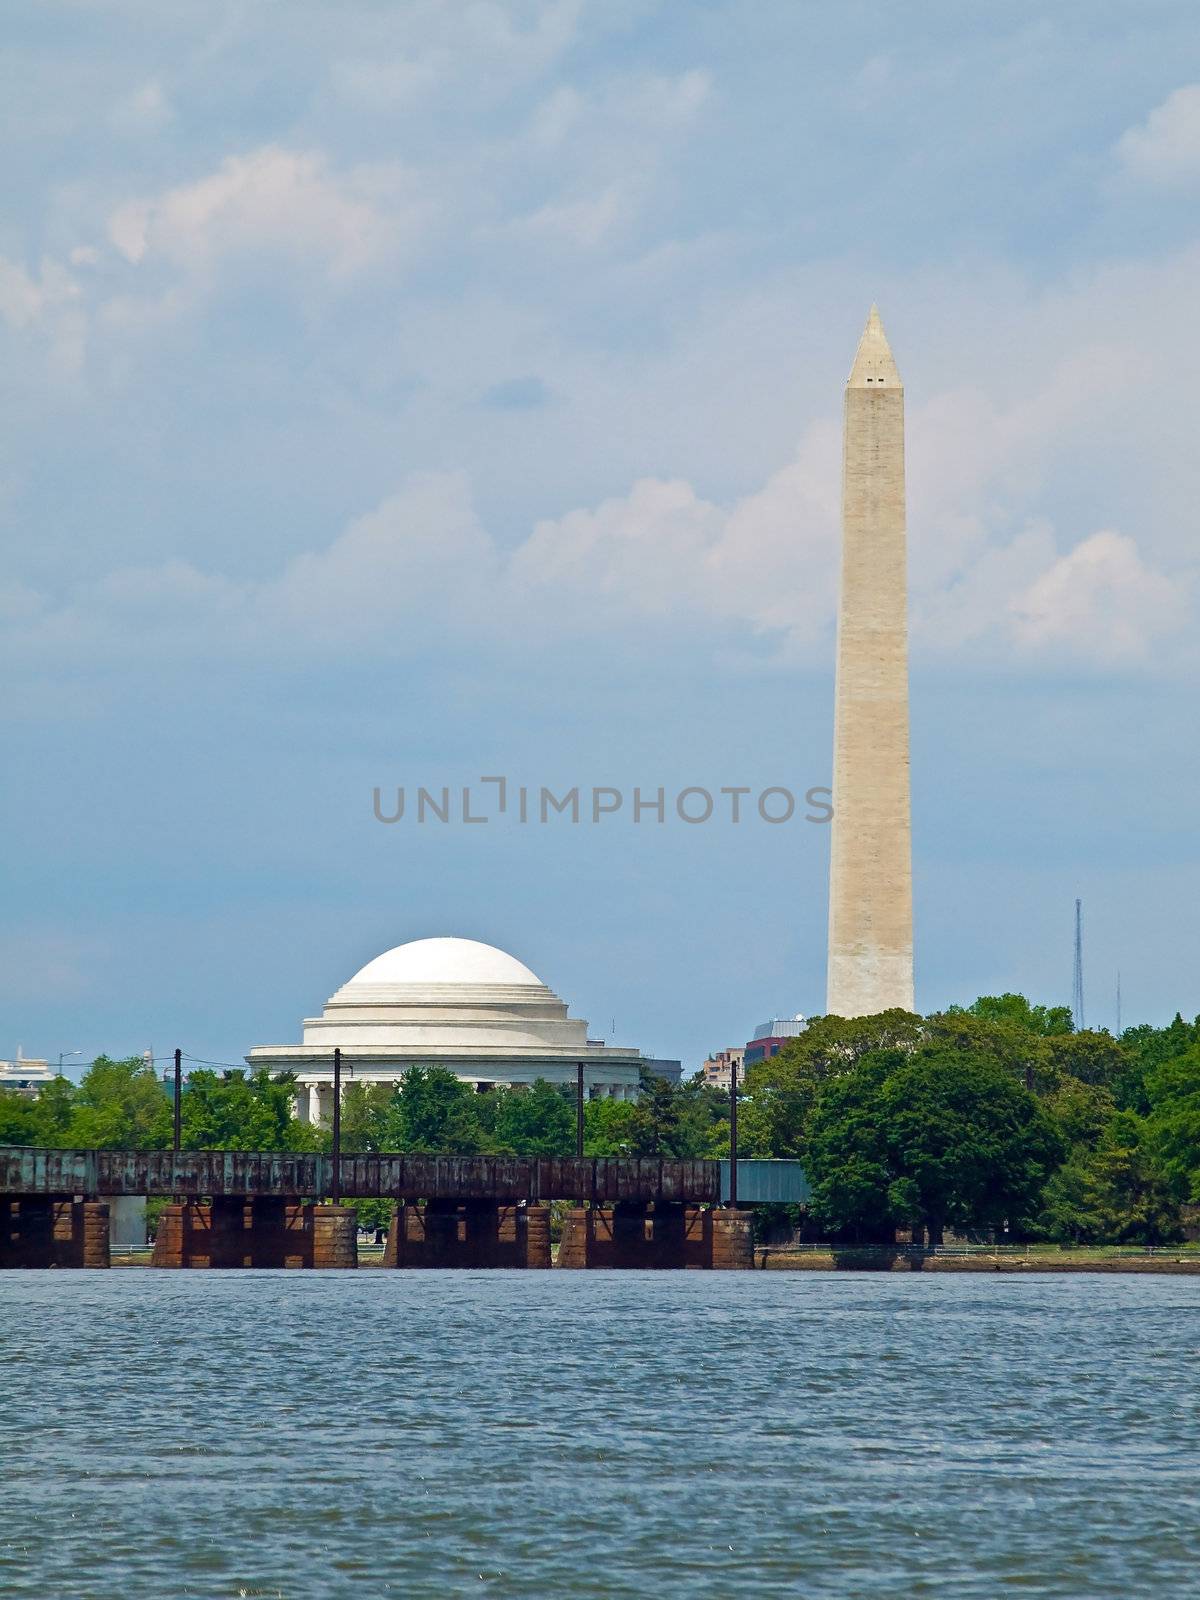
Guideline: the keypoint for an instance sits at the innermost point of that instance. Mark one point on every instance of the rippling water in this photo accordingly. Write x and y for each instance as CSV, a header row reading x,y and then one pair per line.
x,y
596,1434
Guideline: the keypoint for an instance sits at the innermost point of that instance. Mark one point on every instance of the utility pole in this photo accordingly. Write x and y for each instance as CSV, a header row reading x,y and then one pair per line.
x,y
337,1126
733,1150
178,1098
1077,997
579,1109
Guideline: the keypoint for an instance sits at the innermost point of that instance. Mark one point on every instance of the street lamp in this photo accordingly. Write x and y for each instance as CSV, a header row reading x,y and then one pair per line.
x,y
63,1056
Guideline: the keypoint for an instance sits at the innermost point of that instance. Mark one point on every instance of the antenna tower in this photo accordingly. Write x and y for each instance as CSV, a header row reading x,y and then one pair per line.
x,y
1077,996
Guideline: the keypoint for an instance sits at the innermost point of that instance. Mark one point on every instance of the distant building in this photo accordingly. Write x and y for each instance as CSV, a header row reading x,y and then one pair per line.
x,y
452,1003
25,1075
770,1037
672,1071
717,1070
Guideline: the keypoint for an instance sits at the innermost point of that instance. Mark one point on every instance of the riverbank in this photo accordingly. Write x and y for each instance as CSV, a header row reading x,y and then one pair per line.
x,y
1183,1264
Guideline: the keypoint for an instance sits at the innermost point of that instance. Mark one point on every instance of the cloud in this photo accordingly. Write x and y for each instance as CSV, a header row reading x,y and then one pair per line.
x,y
421,558
1165,149
275,201
1101,602
759,572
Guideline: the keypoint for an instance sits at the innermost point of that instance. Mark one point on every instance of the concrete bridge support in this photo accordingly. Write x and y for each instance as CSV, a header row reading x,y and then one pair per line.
x,y
471,1233
49,1231
233,1231
658,1236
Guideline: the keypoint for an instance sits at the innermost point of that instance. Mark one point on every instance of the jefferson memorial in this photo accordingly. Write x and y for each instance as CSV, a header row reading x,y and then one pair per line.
x,y
451,1003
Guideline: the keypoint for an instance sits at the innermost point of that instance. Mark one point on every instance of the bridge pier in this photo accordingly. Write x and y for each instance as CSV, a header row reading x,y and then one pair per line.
x,y
471,1233
655,1236
262,1231
49,1231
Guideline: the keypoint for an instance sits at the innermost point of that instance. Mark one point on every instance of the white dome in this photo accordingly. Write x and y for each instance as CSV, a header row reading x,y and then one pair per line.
x,y
458,961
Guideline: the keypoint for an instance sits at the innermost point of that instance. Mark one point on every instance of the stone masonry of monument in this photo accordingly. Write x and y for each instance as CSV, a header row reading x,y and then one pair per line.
x,y
870,872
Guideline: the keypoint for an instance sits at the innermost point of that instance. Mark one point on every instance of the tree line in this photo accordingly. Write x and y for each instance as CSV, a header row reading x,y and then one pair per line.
x,y
124,1105
998,1119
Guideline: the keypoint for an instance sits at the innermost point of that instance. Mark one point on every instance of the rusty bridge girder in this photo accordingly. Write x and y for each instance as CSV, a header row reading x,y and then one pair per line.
x,y
609,1180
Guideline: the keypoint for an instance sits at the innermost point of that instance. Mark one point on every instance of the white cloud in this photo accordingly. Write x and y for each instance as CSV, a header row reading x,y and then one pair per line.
x,y
272,200
421,556
1165,149
764,565
422,565
1101,602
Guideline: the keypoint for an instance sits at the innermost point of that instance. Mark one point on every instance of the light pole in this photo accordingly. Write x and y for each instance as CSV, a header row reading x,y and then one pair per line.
x,y
63,1055
733,1135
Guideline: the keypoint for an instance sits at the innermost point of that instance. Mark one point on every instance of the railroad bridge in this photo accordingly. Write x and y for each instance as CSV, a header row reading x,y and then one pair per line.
x,y
264,1209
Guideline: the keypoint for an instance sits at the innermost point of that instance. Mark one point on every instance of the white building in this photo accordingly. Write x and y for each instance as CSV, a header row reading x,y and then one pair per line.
x,y
452,1003
26,1075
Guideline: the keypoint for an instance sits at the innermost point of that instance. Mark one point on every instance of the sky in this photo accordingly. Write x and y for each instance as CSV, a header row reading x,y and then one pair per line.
x,y
398,395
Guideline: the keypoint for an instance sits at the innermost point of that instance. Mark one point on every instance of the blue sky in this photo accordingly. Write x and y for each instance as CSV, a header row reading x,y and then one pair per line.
x,y
396,394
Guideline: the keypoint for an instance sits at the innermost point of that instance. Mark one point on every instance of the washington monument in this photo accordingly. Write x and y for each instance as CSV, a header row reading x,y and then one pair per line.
x,y
870,869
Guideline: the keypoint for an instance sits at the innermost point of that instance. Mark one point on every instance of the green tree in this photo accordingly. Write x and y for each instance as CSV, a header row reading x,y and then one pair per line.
x,y
1090,1057
534,1121
235,1110
1082,1111
18,1118
119,1105
1147,1049
374,1214
433,1113
53,1111
940,1138
608,1128
656,1127
705,1113
43,1120
846,1157
1173,1126
364,1117
970,1147
1017,1011
1111,1191
1024,1054
781,1090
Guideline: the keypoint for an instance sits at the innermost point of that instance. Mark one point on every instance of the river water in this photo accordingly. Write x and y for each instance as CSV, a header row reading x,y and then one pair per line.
x,y
604,1434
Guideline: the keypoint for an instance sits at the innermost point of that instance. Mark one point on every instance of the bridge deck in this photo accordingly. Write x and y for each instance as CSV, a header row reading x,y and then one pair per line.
x,y
104,1173
601,1180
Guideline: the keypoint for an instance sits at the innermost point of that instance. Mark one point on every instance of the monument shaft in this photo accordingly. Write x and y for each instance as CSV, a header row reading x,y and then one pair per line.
x,y
870,875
